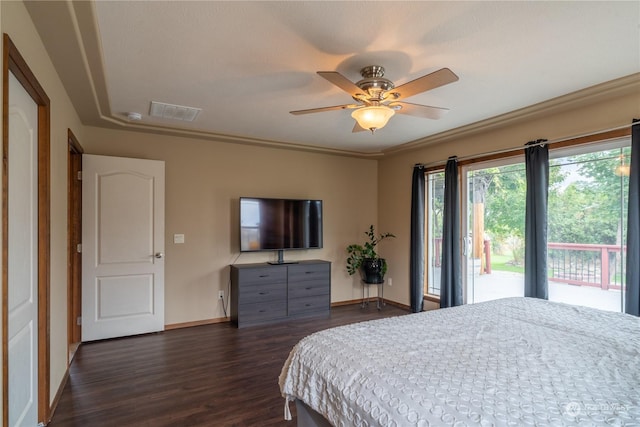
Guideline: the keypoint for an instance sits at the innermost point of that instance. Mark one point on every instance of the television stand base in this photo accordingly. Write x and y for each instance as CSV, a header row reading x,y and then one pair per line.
x,y
281,259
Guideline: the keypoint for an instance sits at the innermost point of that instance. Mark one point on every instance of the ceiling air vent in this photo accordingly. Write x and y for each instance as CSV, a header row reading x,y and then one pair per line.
x,y
171,111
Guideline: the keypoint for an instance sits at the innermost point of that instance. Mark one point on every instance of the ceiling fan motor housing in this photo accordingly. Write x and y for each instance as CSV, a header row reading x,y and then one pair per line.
x,y
373,82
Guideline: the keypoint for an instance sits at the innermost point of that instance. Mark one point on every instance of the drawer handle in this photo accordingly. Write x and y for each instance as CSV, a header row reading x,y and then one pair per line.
x,y
309,288
309,272
263,293
308,305
262,311
264,275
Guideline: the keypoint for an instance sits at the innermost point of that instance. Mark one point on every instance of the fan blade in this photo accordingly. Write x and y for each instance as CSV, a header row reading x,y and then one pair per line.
x,y
343,83
321,109
358,128
436,79
418,110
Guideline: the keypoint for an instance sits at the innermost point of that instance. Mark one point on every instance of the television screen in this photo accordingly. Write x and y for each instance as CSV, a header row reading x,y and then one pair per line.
x,y
279,224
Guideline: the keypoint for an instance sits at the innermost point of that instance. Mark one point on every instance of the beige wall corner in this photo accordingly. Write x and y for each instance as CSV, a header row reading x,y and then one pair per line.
x,y
597,113
16,22
204,180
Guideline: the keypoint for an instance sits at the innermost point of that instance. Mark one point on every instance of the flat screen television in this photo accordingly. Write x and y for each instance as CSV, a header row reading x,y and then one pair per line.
x,y
280,224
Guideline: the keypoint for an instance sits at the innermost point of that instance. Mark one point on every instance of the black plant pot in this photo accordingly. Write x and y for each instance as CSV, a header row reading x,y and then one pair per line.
x,y
371,270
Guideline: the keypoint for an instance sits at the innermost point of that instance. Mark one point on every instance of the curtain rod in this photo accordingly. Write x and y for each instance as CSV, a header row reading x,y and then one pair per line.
x,y
535,144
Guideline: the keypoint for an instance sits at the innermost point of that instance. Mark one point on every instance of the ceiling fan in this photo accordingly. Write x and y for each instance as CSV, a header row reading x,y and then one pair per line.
x,y
377,99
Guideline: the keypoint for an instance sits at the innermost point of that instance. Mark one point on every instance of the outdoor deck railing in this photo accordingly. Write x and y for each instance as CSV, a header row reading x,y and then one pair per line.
x,y
573,263
586,264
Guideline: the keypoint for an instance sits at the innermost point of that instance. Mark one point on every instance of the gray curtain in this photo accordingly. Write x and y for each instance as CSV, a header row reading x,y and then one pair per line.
x,y
535,233
416,262
451,277
632,304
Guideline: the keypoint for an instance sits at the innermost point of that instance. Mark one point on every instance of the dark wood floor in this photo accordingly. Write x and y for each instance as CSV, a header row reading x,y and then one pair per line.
x,y
214,375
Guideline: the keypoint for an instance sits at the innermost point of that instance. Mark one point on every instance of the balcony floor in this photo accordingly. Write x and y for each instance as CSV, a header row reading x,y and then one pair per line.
x,y
501,284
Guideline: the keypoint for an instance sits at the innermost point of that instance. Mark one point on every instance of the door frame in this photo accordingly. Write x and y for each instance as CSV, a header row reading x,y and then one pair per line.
x,y
74,238
14,62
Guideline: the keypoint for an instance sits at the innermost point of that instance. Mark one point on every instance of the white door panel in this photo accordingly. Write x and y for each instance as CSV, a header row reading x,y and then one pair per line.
x,y
139,291
123,229
132,215
22,302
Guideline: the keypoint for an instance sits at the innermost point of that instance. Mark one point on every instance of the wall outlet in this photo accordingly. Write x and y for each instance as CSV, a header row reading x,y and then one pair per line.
x,y
390,280
220,294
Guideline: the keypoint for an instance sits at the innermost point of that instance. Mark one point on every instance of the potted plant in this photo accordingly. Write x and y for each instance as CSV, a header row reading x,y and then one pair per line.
x,y
365,259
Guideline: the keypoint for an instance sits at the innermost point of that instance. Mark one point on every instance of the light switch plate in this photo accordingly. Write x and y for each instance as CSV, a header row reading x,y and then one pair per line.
x,y
178,238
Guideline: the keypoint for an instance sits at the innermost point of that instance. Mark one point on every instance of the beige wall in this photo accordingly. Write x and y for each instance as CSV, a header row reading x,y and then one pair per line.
x,y
204,180
395,170
17,24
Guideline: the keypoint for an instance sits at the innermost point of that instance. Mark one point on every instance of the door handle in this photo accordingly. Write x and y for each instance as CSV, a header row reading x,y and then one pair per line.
x,y
159,255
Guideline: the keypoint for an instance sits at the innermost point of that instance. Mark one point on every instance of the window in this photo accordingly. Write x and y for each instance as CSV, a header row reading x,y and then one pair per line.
x,y
435,199
589,186
587,212
494,202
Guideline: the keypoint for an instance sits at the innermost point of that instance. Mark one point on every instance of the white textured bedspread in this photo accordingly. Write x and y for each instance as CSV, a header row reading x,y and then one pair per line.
x,y
510,362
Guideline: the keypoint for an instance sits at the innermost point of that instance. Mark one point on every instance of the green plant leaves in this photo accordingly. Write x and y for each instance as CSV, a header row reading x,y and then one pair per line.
x,y
357,253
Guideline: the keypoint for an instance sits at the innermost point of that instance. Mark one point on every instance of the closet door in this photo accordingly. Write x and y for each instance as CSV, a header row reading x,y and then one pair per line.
x,y
123,247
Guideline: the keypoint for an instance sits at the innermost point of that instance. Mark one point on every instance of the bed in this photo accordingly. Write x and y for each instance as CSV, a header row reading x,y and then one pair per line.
x,y
514,361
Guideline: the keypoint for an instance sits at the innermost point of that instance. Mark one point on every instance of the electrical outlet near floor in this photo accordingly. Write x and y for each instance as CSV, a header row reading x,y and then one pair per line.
x,y
390,281
220,294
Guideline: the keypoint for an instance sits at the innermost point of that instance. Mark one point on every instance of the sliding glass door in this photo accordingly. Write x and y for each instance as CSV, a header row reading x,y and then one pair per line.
x,y
493,229
587,213
587,224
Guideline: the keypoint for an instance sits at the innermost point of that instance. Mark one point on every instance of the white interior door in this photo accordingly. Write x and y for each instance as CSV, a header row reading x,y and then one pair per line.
x,y
22,301
122,247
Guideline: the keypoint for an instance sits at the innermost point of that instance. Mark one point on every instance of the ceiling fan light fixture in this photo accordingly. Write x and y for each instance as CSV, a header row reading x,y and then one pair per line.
x,y
373,117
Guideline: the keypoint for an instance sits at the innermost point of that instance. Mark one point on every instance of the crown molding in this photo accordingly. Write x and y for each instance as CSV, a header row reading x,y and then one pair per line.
x,y
600,92
85,81
119,124
70,30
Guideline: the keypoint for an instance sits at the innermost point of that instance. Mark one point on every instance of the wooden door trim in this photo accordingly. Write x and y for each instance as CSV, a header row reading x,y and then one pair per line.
x,y
74,218
14,62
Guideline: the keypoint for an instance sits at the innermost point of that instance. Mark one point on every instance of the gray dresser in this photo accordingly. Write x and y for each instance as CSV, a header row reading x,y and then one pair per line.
x,y
263,293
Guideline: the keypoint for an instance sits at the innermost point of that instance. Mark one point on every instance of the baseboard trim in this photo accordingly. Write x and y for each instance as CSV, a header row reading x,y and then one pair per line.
x,y
58,396
397,304
348,302
226,319
196,323
371,299
432,298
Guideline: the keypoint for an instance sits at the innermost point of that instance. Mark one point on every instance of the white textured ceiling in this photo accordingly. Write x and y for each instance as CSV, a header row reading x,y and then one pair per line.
x,y
247,64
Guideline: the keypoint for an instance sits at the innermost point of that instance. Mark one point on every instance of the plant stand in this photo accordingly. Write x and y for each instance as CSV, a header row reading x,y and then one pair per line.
x,y
379,299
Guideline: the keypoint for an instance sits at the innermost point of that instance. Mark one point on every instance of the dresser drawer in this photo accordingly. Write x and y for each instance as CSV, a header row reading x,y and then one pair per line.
x,y
264,275
262,292
317,286
306,272
310,304
261,311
